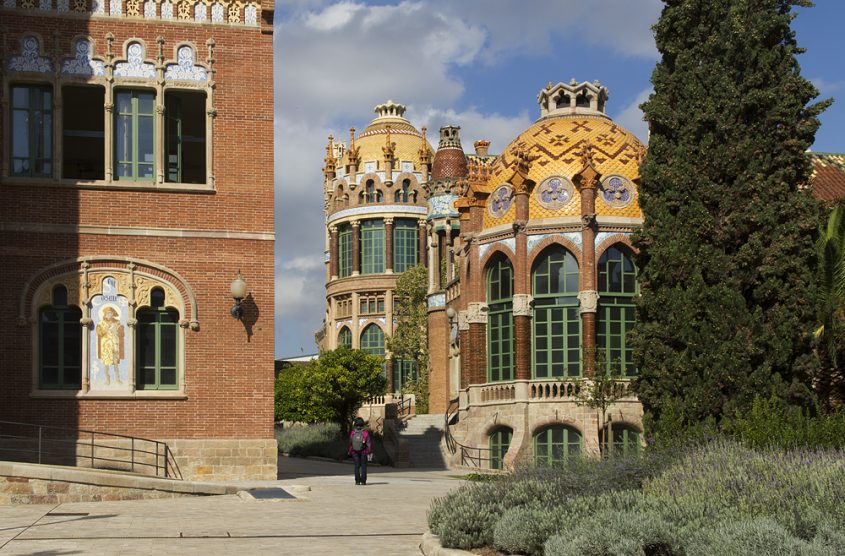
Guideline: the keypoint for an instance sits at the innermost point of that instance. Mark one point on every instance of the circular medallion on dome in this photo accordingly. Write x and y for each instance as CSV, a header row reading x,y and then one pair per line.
x,y
554,192
617,191
500,200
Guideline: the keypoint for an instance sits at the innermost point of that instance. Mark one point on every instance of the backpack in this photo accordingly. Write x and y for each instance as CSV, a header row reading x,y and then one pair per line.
x,y
358,440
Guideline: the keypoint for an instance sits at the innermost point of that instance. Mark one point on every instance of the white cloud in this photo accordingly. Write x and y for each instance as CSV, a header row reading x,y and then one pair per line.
x,y
500,130
332,18
827,87
631,117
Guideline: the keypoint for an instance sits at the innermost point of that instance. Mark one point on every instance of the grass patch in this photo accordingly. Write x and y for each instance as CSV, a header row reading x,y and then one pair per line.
x,y
322,440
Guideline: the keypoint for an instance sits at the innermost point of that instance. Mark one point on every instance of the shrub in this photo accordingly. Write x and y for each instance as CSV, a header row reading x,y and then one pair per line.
x,y
751,537
523,530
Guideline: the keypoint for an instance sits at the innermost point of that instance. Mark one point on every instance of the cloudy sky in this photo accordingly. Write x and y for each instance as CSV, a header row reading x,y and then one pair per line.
x,y
475,63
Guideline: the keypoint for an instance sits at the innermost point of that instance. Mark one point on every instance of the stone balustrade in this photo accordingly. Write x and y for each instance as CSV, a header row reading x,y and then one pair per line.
x,y
521,391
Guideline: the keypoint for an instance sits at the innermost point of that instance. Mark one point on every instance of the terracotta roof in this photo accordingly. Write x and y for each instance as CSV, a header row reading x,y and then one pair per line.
x,y
828,176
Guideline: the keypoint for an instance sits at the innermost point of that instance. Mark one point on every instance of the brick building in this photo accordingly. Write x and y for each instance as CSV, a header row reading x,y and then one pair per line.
x,y
136,181
532,281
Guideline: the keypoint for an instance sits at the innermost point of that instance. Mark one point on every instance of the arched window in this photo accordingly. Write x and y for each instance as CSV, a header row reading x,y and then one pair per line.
x,y
372,340
344,250
405,242
615,317
582,101
500,344
556,325
563,101
370,192
60,344
156,345
344,339
372,247
625,440
556,444
500,441
404,371
406,190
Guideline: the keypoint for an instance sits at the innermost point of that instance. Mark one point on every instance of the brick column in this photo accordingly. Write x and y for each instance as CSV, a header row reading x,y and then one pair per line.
x,y
522,335
477,354
356,247
522,287
388,245
464,338
422,255
587,181
333,253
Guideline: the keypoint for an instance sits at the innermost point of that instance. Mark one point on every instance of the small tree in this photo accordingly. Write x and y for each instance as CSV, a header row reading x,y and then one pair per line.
x,y
330,388
830,316
599,392
410,340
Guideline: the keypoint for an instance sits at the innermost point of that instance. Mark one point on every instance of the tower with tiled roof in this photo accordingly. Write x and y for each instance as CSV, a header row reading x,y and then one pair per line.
x,y
375,230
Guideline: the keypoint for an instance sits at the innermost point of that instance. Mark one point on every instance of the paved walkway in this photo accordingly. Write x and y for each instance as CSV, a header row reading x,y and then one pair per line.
x,y
386,517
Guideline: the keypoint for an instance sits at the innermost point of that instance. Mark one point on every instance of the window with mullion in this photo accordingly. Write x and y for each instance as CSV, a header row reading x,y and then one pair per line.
x,y
344,243
31,131
404,371
500,441
372,247
555,445
156,349
556,327
617,282
500,339
626,441
372,340
404,245
344,339
134,137
60,347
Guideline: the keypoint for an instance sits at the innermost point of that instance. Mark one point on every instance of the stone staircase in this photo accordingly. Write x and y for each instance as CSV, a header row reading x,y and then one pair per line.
x,y
421,442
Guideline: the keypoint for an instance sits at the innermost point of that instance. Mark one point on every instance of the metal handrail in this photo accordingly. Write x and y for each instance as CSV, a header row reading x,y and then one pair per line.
x,y
453,445
49,447
404,406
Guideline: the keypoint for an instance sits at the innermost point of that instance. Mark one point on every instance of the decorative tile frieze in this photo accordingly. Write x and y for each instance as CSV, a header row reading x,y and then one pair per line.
x,y
250,15
134,66
217,12
377,209
185,69
83,62
510,243
149,9
436,300
116,7
442,206
30,59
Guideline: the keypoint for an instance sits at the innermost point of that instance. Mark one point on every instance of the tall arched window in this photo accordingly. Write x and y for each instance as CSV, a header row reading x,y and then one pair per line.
x,y
500,344
405,242
156,345
372,340
372,247
616,316
344,339
556,444
344,250
556,325
500,441
60,344
626,440
370,192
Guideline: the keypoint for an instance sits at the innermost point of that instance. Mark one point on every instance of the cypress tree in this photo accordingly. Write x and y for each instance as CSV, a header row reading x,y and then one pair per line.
x,y
727,253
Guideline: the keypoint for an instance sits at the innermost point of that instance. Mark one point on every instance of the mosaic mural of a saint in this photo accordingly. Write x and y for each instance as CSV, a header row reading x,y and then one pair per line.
x,y
107,351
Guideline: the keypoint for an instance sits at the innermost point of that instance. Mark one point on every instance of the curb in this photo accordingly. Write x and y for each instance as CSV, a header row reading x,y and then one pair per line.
x,y
430,546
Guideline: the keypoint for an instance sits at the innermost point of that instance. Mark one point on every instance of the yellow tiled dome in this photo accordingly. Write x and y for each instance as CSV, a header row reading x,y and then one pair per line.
x,y
370,142
555,144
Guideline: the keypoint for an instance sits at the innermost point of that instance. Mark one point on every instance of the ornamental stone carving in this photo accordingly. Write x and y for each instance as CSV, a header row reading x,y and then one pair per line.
x,y
523,303
477,313
589,300
30,59
83,63
554,192
463,320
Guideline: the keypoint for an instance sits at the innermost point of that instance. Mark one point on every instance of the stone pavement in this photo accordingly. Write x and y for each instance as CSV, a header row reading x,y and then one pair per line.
x,y
386,517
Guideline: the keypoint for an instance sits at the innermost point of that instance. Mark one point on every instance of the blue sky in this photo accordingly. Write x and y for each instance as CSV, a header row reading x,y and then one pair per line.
x,y
475,63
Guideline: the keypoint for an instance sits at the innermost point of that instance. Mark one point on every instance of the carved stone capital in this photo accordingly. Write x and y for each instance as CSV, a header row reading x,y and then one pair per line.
x,y
463,322
86,322
184,323
195,325
519,226
522,304
355,223
588,220
589,300
477,313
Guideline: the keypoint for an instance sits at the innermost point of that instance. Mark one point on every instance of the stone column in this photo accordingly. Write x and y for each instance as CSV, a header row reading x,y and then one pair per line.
x,y
333,253
388,245
356,247
447,253
522,335
433,260
356,332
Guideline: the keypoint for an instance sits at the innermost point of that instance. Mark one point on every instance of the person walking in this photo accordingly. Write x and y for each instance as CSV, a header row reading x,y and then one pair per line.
x,y
360,448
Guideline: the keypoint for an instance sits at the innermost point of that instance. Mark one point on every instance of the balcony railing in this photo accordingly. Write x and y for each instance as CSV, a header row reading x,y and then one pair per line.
x,y
514,391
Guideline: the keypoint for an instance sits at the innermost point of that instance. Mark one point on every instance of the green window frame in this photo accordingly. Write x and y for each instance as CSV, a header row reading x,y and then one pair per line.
x,y
499,442
404,371
185,136
405,244
556,326
344,338
372,340
625,441
555,445
344,243
60,344
134,135
31,145
372,247
616,314
157,346
500,338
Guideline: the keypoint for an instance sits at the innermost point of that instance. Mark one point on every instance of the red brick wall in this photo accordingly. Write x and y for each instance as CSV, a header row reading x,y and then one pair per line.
x,y
229,369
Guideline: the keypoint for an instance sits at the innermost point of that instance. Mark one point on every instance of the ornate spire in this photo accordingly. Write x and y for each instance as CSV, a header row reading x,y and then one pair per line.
x,y
353,150
425,151
331,165
572,98
390,109
389,147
